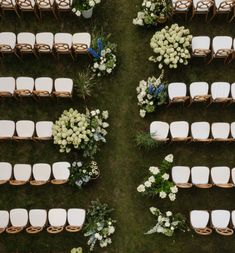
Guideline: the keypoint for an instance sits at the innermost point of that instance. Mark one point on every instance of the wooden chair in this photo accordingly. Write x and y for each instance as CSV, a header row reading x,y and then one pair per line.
x,y
21,174
57,220
76,219
8,43
18,219
179,131
182,7
200,176
220,131
199,220
201,46
9,5
63,5
60,172
43,87
180,176
25,43
7,86
200,132
221,176
202,7
220,92
24,86
199,92
7,129
37,221
220,220
63,44
46,5
5,172
43,131
223,7
4,220
44,43
24,130
81,42
159,131
27,6
63,88
41,174
177,93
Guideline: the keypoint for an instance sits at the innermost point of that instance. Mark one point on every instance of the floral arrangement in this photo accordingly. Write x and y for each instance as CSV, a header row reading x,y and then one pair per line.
x,y
151,93
82,5
167,223
104,57
81,174
99,226
80,131
153,12
76,250
171,45
157,183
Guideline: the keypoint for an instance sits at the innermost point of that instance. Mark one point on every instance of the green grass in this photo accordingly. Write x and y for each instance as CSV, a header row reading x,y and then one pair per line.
x,y
122,164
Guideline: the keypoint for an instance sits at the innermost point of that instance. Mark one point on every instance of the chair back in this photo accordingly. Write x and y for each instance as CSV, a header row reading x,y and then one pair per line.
x,y
80,47
61,47
44,4
64,4
204,5
43,48
182,5
226,5
7,4
25,4
24,48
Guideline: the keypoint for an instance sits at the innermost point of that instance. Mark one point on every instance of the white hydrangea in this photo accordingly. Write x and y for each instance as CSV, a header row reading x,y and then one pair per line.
x,y
141,188
169,158
162,195
165,176
154,170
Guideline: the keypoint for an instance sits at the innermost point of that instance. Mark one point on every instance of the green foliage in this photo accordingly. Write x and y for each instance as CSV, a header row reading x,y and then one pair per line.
x,y
145,141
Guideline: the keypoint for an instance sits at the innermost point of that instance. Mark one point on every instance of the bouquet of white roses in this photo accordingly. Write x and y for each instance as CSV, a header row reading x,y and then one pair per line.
x,y
172,45
80,131
151,93
82,5
153,11
167,223
157,183
82,173
99,226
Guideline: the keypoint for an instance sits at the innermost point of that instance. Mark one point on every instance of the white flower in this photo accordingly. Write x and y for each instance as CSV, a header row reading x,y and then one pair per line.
x,y
91,3
172,196
96,65
151,179
162,195
154,170
141,188
174,189
152,209
74,10
165,176
78,13
168,213
148,184
111,230
169,158
142,113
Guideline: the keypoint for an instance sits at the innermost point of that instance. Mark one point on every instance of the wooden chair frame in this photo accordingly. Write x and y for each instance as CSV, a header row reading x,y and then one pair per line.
x,y
43,48
184,185
180,4
80,48
202,231
63,48
54,230
58,181
6,49
34,230
203,4
199,99
200,52
225,7
8,5
47,7
221,53
25,48
182,99
73,229
14,230
26,6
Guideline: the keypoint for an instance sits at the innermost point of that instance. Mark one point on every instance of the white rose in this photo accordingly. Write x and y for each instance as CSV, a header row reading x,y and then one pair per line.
x,y
162,195
148,184
142,113
172,196
165,176
174,189
168,213
78,13
154,170
152,209
91,3
151,179
169,158
141,188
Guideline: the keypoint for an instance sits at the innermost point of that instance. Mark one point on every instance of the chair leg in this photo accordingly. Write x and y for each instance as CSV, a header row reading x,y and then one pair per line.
x,y
17,13
231,19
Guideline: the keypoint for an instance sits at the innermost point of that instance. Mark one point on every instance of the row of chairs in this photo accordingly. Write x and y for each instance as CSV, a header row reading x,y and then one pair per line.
x,y
44,43
220,47
35,220
204,7
203,177
25,130
200,131
38,174
222,221
199,92
40,87
36,6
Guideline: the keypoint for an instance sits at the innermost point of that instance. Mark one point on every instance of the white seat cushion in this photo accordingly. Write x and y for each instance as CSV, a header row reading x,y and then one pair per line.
x,y
22,172
198,89
44,129
159,130
220,174
57,217
82,38
179,129
41,171
180,174
45,38
25,83
177,90
220,90
5,171
7,84
76,217
44,84
4,219
19,217
25,128
218,2
61,170
26,38
64,38
201,42
200,175
184,7
220,218
64,85
202,5
7,128
199,218
200,130
220,130
222,42
8,38
37,217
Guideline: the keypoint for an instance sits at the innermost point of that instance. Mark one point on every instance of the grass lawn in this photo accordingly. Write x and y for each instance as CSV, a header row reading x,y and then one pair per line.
x,y
122,165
